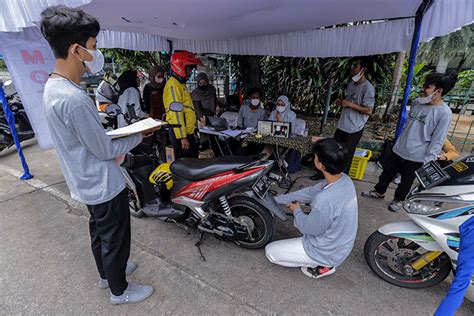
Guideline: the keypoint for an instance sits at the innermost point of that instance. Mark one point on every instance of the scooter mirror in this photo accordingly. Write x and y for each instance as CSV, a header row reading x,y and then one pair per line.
x,y
9,87
176,107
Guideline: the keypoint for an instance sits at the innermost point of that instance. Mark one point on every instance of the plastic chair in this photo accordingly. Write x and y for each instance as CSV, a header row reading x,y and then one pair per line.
x,y
230,117
300,127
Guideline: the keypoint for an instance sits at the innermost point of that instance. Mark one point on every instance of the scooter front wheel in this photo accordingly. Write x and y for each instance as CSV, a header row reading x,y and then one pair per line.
x,y
388,256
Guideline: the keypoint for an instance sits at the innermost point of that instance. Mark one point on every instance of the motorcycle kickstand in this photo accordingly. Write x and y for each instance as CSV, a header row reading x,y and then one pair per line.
x,y
186,228
198,245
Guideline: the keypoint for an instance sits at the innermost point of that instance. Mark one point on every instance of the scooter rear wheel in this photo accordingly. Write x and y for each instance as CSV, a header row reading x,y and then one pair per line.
x,y
255,216
387,255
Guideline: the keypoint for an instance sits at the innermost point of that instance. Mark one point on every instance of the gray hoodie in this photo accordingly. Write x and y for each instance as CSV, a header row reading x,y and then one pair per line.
x,y
86,154
425,131
330,229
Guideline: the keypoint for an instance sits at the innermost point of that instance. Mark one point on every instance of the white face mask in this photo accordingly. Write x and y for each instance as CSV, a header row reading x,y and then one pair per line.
x,y
97,62
357,77
255,102
160,80
281,109
425,100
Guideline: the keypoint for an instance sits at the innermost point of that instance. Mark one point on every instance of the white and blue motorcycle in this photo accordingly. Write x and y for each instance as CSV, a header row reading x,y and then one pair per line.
x,y
422,251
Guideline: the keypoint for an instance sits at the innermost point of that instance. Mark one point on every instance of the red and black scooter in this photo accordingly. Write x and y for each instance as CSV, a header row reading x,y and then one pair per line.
x,y
226,196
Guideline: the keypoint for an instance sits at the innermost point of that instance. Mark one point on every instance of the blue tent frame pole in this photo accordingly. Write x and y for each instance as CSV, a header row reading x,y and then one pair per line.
x,y
411,65
10,117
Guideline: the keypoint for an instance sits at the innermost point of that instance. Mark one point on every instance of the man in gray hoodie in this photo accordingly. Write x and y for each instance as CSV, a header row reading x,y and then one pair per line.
x,y
329,230
86,154
421,141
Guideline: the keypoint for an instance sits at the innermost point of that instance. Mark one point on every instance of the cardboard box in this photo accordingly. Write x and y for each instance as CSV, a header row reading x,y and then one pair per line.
x,y
169,150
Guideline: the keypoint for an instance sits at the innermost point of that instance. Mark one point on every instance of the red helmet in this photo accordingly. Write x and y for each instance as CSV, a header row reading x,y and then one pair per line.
x,y
181,59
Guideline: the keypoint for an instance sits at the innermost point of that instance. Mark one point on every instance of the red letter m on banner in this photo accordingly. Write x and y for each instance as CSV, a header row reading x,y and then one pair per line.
x,y
35,59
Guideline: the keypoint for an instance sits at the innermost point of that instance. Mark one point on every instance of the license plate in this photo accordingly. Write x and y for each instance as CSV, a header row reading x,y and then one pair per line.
x,y
261,186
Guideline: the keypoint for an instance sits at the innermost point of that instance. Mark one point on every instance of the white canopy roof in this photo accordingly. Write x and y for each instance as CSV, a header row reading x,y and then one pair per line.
x,y
263,27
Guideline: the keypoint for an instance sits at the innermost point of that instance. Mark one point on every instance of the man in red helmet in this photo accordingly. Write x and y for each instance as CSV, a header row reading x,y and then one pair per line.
x,y
182,138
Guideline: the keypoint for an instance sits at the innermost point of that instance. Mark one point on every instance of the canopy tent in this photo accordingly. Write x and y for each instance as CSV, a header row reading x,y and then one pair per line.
x,y
304,28
298,28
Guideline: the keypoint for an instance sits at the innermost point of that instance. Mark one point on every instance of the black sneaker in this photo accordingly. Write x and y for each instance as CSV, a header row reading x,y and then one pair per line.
x,y
318,272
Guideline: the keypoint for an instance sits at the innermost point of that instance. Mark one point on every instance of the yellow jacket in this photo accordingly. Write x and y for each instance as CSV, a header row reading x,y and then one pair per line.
x,y
449,151
176,91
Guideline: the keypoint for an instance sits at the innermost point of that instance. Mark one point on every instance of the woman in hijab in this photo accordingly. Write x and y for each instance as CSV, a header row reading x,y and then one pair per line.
x,y
205,95
153,93
283,112
129,94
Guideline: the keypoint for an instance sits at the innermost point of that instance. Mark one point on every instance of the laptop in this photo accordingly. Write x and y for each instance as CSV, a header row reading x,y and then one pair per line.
x,y
272,128
264,128
281,129
219,124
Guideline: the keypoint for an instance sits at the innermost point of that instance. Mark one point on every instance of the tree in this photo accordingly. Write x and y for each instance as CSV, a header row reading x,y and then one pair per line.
x,y
442,49
138,60
305,80
248,70
397,76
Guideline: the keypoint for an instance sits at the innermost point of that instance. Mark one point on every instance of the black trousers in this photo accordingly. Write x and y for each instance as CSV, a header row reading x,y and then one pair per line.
x,y
192,152
350,140
109,227
395,164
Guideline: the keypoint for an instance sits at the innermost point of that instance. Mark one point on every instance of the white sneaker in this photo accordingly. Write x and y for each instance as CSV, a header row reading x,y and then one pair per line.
x,y
131,266
134,293
395,206
397,179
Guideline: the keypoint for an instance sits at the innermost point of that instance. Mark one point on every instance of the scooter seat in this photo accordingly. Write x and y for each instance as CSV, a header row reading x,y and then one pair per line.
x,y
198,169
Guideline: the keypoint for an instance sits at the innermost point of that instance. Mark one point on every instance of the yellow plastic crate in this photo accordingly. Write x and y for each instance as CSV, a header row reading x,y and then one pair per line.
x,y
359,164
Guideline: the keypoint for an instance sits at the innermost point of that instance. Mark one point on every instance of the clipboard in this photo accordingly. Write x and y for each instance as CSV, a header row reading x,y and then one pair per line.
x,y
146,125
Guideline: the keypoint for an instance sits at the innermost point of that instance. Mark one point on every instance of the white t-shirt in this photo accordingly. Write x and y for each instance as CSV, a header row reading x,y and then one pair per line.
x,y
129,96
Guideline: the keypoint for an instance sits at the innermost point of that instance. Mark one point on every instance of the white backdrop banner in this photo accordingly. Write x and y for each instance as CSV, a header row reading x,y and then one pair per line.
x,y
29,60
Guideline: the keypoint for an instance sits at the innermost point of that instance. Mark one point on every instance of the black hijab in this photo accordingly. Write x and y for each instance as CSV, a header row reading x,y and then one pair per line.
x,y
128,79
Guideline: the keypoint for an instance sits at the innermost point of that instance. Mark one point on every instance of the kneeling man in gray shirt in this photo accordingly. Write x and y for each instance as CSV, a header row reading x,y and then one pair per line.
x,y
329,230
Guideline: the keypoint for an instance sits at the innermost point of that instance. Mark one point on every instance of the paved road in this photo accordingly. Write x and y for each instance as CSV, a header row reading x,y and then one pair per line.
x,y
46,265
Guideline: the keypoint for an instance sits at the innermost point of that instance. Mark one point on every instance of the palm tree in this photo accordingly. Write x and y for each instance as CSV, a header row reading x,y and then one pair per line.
x,y
442,49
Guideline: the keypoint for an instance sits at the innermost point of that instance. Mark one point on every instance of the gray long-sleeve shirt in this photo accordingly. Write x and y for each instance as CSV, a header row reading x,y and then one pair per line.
x,y
425,131
86,154
247,118
329,230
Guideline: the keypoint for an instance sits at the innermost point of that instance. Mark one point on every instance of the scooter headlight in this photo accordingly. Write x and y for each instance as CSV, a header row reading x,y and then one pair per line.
x,y
421,207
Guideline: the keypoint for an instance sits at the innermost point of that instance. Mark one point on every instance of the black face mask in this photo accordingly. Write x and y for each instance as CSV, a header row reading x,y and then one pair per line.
x,y
202,87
